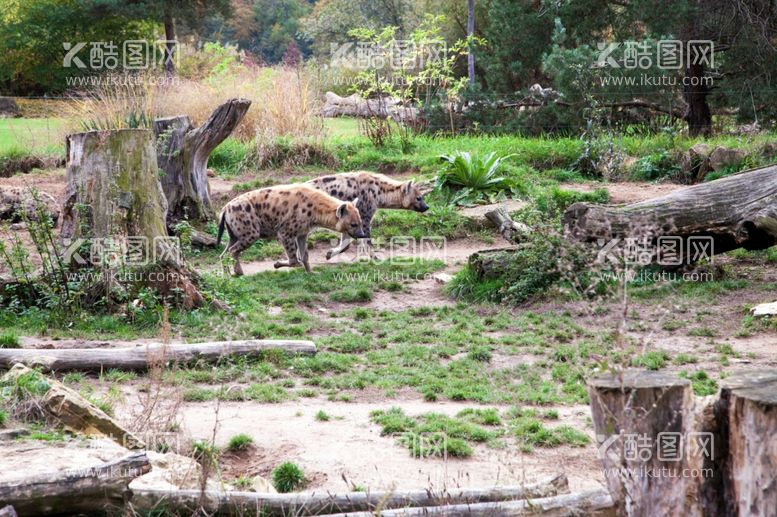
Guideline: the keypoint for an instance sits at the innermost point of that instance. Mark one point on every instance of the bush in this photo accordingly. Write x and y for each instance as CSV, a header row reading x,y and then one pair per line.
x,y
240,442
288,477
471,176
9,340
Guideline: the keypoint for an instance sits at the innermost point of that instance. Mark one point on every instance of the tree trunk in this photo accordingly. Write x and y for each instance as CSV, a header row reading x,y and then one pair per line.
x,y
491,263
507,228
139,357
471,33
183,153
115,202
738,211
85,490
248,503
697,113
170,43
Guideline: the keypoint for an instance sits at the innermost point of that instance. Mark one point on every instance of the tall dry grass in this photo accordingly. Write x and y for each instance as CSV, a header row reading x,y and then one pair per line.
x,y
285,103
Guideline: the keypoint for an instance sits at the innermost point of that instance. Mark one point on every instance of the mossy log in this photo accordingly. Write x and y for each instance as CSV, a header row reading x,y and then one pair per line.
x,y
183,153
249,503
738,211
114,197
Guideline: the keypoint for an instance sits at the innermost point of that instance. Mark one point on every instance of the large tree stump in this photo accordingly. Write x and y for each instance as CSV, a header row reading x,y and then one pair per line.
x,y
183,153
114,201
727,456
747,412
738,211
629,411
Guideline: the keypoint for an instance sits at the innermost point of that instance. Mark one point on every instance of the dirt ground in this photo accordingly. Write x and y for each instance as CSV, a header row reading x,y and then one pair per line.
x,y
348,450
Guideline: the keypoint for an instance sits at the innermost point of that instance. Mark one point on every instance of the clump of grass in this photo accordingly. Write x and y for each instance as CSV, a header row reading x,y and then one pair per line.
x,y
243,482
531,433
239,442
701,382
480,353
9,339
288,477
115,375
322,416
3,417
653,360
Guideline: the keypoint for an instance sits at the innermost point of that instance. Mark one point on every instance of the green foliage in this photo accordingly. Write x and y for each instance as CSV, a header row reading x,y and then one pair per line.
x,y
701,382
288,477
240,442
9,339
3,417
471,176
653,360
322,416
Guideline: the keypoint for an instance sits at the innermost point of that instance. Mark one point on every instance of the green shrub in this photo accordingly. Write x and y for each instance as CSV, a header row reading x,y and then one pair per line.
x,y
3,417
288,477
701,383
240,442
9,339
471,176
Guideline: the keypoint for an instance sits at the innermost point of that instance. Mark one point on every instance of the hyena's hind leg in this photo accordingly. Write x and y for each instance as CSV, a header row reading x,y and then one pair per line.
x,y
235,248
302,251
289,243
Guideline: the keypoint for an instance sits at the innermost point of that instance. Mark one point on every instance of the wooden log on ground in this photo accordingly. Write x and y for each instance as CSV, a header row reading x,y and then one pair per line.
x,y
183,153
738,211
491,263
629,412
89,490
251,503
73,411
139,357
507,228
596,503
747,411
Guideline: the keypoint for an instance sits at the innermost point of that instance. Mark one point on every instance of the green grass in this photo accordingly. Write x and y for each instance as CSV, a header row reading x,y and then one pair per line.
x,y
9,339
288,477
31,136
701,382
239,442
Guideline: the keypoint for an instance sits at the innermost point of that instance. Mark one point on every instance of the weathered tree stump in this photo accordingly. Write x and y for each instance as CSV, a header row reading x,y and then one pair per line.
x,y
183,153
738,211
630,410
115,202
491,263
510,230
724,463
747,412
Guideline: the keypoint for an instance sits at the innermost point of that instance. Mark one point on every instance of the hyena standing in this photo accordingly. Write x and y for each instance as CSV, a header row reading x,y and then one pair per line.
x,y
374,191
289,212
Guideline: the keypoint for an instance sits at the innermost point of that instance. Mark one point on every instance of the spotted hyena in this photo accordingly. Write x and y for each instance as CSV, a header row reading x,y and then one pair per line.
x,y
289,212
374,191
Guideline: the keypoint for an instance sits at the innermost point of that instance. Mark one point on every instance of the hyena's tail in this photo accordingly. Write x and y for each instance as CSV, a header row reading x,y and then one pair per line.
x,y
222,224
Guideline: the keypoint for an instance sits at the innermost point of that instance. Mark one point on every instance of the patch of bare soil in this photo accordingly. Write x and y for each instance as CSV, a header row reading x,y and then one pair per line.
x,y
626,192
350,447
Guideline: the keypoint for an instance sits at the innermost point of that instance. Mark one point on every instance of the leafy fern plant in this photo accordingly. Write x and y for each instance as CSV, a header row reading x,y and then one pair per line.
x,y
471,177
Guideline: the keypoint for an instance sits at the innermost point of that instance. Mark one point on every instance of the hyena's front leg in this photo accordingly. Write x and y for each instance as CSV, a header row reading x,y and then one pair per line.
x,y
289,243
345,242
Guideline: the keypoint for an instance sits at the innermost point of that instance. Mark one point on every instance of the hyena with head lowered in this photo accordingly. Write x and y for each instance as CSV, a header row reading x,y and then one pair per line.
x,y
289,212
374,191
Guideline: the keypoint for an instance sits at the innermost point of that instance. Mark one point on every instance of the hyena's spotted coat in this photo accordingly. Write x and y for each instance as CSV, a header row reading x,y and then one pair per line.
x,y
289,212
374,191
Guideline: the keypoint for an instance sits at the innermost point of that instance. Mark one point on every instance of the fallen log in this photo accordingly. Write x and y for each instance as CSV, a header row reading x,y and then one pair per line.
x,y
251,503
87,490
139,358
738,211
596,503
73,411
491,263
510,230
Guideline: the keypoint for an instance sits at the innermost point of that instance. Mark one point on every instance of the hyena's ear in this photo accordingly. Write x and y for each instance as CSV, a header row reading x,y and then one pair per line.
x,y
342,210
407,187
355,202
